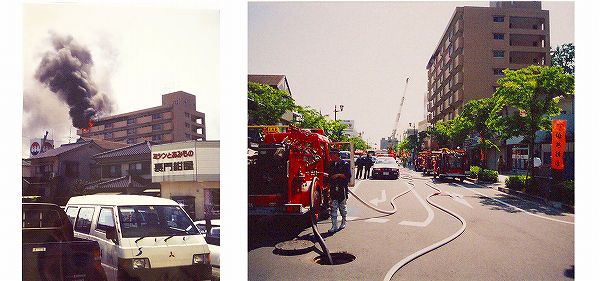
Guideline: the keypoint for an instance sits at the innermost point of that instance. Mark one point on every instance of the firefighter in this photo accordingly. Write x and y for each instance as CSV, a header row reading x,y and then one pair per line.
x,y
339,177
360,163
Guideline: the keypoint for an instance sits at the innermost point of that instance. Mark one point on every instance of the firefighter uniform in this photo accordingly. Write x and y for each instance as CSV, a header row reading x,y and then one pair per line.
x,y
339,191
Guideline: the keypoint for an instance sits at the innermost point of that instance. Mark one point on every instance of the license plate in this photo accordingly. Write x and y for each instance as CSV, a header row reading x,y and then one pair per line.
x,y
386,173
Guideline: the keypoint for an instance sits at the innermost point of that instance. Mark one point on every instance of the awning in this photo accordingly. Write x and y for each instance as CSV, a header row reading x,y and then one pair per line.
x,y
515,140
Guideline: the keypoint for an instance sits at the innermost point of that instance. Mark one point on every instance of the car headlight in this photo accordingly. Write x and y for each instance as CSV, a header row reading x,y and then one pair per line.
x,y
140,263
201,259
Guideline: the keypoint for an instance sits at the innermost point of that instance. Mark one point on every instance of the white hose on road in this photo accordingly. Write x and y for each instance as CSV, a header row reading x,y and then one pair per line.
x,y
395,209
431,247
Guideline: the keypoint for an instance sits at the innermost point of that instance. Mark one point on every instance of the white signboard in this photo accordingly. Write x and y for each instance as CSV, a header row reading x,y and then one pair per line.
x,y
174,162
185,161
35,146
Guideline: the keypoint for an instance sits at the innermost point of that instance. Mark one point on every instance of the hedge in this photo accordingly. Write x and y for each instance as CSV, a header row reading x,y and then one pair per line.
x,y
483,174
515,182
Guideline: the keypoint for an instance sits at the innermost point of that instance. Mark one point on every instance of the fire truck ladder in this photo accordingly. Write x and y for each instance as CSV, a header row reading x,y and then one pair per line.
x,y
393,136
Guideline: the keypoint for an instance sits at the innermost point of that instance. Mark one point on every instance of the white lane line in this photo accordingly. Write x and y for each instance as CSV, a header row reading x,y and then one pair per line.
x,y
377,220
351,218
524,211
430,214
376,201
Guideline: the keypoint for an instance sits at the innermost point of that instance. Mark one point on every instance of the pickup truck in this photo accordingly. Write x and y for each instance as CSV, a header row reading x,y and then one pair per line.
x,y
50,250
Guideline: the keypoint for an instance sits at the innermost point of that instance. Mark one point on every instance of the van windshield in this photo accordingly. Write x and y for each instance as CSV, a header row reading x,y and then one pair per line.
x,y
152,221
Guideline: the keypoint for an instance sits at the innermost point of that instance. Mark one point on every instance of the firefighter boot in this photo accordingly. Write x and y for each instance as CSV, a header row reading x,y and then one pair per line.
x,y
333,224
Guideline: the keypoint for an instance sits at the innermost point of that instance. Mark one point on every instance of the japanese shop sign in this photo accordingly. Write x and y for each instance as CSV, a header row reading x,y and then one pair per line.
x,y
559,141
173,162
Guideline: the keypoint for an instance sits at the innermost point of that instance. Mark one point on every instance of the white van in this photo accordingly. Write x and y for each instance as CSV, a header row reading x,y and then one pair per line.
x,y
141,237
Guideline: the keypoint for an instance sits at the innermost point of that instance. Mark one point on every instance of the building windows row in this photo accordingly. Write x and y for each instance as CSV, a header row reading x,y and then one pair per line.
x,y
498,54
499,36
498,18
498,71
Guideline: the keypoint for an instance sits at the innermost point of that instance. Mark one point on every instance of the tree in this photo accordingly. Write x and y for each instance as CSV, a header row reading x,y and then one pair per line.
x,y
478,117
269,104
359,143
564,56
311,118
531,95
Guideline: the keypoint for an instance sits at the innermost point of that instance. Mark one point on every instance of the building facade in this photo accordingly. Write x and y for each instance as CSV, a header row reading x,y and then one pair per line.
x,y
188,172
175,120
477,44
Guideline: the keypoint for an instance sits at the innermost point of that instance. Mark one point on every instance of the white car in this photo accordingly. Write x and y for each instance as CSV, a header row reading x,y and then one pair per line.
x,y
141,237
213,239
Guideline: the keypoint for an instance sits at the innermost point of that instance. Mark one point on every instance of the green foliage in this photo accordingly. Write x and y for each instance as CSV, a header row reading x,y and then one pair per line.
x,y
515,182
311,118
479,117
568,192
474,171
564,56
484,175
270,103
358,143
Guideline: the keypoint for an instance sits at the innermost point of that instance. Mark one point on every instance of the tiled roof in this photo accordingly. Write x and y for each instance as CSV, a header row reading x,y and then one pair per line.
x,y
134,149
118,184
271,80
59,150
104,143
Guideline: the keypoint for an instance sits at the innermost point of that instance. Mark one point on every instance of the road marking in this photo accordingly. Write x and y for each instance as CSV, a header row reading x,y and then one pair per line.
x,y
459,198
529,213
430,214
351,218
377,220
376,201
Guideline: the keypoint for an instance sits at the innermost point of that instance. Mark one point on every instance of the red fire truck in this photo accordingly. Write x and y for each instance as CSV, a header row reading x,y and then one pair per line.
x,y
422,161
281,170
448,163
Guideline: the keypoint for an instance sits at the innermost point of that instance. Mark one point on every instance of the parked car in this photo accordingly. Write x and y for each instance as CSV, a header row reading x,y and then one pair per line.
x,y
385,167
141,237
212,235
50,249
345,155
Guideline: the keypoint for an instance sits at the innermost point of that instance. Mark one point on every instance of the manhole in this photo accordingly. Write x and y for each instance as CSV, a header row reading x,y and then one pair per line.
x,y
337,258
294,247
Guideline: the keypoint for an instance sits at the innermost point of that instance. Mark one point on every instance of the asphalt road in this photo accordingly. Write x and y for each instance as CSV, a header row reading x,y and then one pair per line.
x,y
506,238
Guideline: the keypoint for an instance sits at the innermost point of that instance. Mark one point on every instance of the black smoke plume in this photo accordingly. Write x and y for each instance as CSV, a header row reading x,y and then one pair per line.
x,y
66,71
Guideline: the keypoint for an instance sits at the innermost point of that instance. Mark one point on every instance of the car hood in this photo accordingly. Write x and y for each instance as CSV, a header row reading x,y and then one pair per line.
x,y
393,166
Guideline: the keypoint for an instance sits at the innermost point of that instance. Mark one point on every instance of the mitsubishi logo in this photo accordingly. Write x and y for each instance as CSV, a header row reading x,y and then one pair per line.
x,y
171,255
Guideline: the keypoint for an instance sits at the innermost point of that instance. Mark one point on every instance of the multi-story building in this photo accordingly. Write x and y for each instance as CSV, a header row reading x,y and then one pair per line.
x,y
477,44
175,120
277,81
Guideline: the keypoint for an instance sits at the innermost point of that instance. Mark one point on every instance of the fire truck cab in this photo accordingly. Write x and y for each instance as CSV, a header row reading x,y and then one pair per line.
x,y
281,171
449,163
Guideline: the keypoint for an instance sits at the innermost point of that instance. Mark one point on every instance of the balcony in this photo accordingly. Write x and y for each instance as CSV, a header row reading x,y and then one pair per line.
x,y
527,23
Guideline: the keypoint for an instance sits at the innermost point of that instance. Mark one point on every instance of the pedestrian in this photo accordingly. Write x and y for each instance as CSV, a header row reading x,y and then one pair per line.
x,y
369,161
360,163
500,164
339,177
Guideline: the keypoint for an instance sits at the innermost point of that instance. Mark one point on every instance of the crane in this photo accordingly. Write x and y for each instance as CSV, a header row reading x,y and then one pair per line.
x,y
393,136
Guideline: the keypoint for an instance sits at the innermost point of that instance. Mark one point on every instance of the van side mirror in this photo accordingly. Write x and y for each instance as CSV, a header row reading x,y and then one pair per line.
x,y
111,234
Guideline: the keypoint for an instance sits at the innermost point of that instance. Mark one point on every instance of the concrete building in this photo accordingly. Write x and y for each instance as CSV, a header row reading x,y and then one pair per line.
x,y
188,172
477,44
350,131
277,81
388,142
175,120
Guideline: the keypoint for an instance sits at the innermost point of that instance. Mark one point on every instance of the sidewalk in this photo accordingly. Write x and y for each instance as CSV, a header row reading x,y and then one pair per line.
x,y
501,186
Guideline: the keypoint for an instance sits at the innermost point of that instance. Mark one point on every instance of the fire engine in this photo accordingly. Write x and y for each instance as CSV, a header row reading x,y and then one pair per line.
x,y
448,163
421,161
281,171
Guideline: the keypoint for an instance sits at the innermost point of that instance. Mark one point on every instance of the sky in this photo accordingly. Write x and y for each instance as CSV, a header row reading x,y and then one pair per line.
x,y
139,53
359,54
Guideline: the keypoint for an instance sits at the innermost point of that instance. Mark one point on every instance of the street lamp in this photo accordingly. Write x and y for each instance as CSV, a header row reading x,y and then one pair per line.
x,y
335,111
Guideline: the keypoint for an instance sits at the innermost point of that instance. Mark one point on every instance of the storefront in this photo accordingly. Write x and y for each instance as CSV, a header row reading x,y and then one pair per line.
x,y
188,172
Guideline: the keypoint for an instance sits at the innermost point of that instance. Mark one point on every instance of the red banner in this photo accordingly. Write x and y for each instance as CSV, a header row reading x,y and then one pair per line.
x,y
559,141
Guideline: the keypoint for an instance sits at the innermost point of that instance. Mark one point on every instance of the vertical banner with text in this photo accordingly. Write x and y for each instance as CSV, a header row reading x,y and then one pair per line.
x,y
559,141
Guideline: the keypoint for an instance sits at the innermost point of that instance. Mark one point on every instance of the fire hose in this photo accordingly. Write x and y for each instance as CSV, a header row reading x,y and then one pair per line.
x,y
395,209
313,221
431,247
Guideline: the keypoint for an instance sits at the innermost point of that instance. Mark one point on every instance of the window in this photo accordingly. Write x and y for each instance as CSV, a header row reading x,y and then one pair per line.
x,y
498,71
187,125
71,169
187,136
156,116
498,54
499,36
108,135
105,219
72,214
135,168
130,141
153,221
187,114
108,125
157,127
130,131
84,220
157,137
498,18
130,121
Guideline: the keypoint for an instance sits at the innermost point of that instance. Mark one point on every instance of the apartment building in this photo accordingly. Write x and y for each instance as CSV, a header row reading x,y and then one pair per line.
x,y
175,120
477,44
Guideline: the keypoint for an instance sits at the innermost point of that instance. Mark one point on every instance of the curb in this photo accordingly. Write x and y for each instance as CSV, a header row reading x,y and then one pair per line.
x,y
523,195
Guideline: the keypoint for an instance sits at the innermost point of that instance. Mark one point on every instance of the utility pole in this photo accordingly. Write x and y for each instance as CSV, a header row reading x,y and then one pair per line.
x,y
335,111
